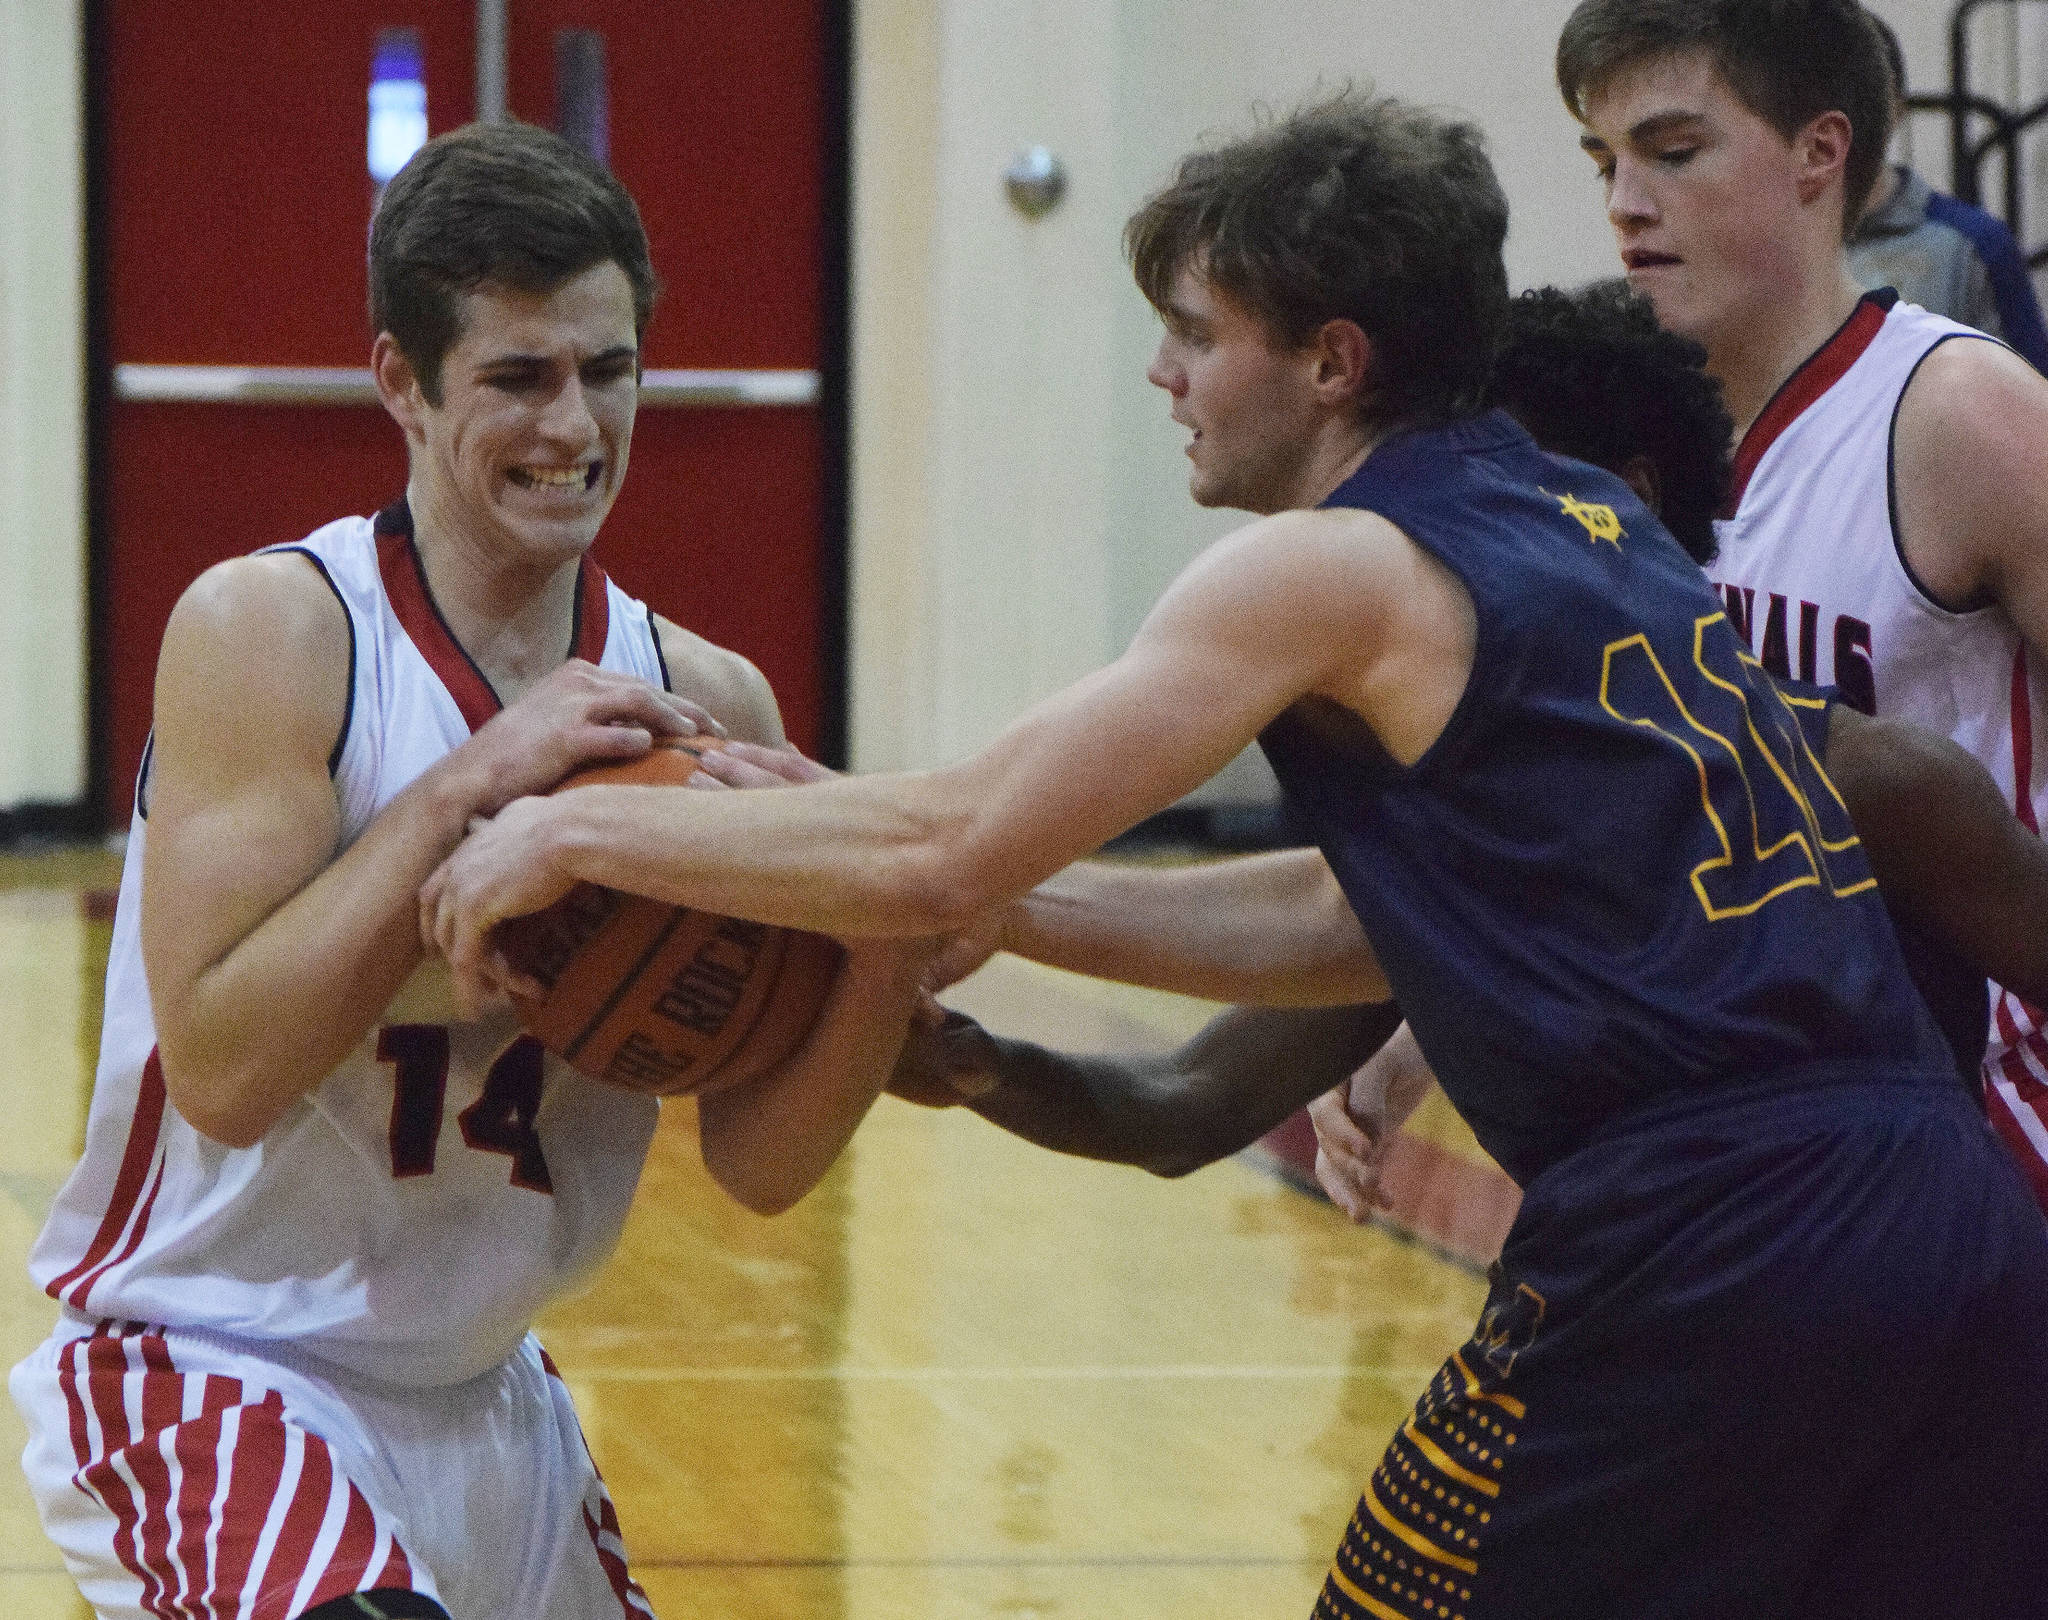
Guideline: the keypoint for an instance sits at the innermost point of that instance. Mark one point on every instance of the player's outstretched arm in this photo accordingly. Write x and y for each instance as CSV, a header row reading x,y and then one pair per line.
x,y
1271,930
1335,604
1170,1112
269,950
1949,855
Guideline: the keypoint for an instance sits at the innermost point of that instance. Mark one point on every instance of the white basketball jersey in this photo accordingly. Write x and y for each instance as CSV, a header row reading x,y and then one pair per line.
x,y
1814,578
408,1216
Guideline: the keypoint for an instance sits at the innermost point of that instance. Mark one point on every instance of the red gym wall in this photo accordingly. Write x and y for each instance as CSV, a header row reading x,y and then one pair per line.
x,y
233,204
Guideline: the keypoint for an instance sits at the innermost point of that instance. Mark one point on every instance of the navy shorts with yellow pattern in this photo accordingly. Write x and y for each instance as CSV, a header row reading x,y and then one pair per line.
x,y
1412,1547
1742,1359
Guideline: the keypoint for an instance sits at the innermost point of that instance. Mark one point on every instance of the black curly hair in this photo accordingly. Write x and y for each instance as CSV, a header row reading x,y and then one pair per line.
x,y
1591,375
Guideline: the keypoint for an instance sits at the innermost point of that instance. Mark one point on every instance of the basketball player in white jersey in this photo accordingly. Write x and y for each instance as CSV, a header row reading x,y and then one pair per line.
x,y
318,1209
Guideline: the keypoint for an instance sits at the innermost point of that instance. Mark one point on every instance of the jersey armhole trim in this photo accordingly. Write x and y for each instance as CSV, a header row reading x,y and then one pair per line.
x,y
1891,484
142,775
660,660
348,710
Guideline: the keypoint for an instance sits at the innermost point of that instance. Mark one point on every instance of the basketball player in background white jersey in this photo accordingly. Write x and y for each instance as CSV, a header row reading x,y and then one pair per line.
x,y
1889,524
317,1209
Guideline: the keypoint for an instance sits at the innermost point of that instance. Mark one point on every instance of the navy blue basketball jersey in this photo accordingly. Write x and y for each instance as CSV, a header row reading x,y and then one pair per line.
x,y
1954,991
1621,871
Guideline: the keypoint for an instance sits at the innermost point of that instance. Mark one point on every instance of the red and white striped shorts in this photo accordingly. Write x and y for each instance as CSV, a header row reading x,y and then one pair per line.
x,y
2016,1087
187,1477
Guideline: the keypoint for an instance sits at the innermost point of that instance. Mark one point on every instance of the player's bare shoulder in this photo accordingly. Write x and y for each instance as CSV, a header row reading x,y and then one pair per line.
x,y
1344,569
1973,390
263,637
274,592
730,686
1314,550
1970,468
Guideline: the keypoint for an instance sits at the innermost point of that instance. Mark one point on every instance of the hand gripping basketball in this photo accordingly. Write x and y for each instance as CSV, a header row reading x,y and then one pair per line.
x,y
660,998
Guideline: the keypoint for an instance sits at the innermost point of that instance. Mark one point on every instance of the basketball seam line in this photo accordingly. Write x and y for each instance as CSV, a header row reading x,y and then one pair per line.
x,y
625,984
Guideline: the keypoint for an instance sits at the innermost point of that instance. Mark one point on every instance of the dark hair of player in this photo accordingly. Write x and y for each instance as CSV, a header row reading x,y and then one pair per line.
x,y
498,203
1788,61
1894,59
1591,375
1357,208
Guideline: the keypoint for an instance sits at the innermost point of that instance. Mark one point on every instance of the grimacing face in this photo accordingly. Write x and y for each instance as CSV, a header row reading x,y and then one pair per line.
x,y
1249,403
528,447
1703,194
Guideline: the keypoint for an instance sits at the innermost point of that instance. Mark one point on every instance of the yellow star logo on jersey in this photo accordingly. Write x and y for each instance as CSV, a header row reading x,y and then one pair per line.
x,y
1602,522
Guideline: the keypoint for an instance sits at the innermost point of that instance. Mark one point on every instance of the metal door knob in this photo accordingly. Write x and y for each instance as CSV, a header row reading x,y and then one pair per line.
x,y
1036,181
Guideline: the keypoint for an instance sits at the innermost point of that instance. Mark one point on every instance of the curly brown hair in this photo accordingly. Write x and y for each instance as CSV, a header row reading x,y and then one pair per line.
x,y
1356,208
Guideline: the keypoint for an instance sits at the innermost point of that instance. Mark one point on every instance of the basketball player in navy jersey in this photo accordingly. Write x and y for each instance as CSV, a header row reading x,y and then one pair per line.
x,y
1766,1241
320,1205
1888,529
1590,375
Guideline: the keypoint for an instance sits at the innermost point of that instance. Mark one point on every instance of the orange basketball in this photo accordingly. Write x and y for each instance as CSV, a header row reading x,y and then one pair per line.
x,y
660,998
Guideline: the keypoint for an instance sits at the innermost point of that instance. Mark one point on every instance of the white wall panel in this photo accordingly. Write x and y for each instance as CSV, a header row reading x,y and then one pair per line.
x,y
1019,492
42,406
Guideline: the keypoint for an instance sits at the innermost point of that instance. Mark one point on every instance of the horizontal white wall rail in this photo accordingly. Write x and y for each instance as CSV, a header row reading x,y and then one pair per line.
x,y
351,385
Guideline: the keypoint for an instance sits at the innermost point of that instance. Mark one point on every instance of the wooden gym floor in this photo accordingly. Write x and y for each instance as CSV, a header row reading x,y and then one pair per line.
x,y
963,1378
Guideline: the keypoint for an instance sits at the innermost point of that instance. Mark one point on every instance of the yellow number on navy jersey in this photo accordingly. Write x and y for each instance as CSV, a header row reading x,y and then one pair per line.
x,y
1770,832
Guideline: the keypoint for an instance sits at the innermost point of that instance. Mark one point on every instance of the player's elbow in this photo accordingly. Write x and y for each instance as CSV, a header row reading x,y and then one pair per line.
x,y
1178,1143
224,1090
756,1184
1166,1129
1171,1161
759,1199
226,1130
213,1098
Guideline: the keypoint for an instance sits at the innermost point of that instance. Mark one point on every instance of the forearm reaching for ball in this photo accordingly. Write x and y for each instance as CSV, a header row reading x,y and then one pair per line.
x,y
1336,606
1269,930
1169,1113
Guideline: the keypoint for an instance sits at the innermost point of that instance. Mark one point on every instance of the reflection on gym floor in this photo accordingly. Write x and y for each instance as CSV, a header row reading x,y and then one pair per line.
x,y
963,1378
